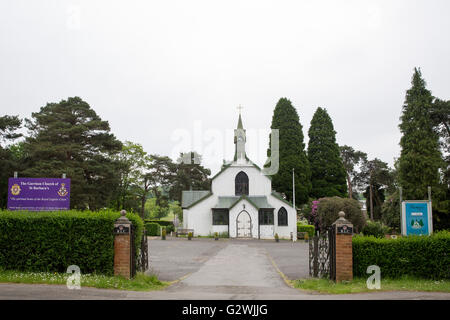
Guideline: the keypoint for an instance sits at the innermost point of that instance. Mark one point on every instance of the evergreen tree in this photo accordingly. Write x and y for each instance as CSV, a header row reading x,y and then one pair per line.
x,y
8,163
328,175
69,137
420,157
292,154
189,174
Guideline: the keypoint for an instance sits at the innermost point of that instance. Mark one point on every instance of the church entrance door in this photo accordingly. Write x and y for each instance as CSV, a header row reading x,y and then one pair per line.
x,y
244,225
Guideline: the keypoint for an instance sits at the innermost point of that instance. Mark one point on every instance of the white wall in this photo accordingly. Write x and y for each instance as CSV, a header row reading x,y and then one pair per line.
x,y
258,184
199,217
284,232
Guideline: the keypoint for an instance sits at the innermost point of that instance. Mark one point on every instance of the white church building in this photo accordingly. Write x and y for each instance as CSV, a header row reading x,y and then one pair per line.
x,y
241,202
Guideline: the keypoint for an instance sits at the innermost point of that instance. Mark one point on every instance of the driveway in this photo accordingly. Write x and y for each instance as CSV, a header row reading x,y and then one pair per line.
x,y
178,257
223,270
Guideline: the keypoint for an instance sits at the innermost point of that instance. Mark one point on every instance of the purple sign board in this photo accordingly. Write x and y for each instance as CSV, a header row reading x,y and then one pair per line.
x,y
38,194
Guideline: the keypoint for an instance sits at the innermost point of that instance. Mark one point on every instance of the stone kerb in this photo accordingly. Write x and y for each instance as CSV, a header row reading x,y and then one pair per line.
x,y
122,246
344,253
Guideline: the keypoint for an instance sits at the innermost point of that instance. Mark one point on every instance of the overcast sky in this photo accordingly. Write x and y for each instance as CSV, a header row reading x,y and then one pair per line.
x,y
166,72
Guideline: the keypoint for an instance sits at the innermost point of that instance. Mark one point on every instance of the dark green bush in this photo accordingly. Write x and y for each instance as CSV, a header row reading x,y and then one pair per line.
x,y
160,222
306,228
328,209
152,229
419,256
375,228
52,241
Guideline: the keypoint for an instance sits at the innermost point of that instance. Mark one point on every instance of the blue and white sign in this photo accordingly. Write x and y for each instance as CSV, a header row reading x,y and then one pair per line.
x,y
417,218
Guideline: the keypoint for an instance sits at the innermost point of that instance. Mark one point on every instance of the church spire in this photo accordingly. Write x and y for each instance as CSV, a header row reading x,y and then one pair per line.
x,y
240,119
239,139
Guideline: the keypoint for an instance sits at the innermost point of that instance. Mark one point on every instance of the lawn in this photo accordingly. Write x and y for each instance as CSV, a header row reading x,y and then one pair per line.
x,y
359,285
140,282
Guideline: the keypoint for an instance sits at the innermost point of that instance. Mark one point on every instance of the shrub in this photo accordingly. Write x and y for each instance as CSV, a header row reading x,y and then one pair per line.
x,y
52,241
328,209
419,256
152,229
375,228
306,228
163,233
168,224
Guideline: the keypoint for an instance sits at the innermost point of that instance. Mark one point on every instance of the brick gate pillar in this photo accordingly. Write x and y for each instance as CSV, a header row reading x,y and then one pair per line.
x,y
344,253
122,246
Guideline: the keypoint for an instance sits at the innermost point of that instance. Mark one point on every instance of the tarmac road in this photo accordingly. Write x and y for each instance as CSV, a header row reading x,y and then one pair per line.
x,y
225,269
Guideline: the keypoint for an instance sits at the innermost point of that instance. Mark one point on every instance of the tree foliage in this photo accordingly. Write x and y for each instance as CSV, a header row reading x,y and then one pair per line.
x,y
420,158
8,162
328,177
69,137
292,154
351,159
189,174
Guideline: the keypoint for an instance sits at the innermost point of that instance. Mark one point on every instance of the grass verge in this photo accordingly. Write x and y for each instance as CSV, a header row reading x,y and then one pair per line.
x,y
359,285
140,282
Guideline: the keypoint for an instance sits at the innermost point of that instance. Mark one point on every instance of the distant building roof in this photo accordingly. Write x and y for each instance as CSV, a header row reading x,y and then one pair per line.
x,y
190,197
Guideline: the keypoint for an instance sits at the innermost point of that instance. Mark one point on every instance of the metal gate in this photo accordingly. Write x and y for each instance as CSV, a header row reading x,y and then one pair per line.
x,y
322,258
139,262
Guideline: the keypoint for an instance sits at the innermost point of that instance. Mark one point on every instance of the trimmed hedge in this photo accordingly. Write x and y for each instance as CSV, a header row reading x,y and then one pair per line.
x,y
163,223
306,228
420,256
152,229
52,241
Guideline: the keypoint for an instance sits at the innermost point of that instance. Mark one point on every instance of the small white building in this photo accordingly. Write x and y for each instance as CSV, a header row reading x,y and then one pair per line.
x,y
241,202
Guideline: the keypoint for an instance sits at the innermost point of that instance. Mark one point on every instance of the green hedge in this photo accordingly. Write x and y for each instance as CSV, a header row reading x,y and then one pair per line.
x,y
163,223
306,228
420,256
152,229
52,241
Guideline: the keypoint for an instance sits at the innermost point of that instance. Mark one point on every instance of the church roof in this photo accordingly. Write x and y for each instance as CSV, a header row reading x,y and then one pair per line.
x,y
229,202
188,198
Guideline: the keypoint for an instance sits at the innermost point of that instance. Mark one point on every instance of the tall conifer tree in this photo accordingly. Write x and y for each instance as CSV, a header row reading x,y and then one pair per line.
x,y
420,157
69,137
292,153
328,175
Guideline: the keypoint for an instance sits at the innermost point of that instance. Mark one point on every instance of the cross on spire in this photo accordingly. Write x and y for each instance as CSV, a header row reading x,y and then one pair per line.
x,y
240,108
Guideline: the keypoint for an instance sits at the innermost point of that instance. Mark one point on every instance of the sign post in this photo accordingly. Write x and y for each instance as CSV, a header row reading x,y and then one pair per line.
x,y
38,194
417,217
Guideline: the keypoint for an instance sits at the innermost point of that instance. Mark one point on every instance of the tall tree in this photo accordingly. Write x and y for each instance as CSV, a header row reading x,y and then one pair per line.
x,y
131,162
420,157
292,153
189,174
328,176
69,137
375,175
8,163
351,158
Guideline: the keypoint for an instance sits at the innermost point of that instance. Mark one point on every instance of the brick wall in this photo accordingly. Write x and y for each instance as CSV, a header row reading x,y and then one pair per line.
x,y
344,257
122,252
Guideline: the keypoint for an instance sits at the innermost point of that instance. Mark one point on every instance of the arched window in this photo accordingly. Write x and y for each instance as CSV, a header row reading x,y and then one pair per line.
x,y
241,184
282,217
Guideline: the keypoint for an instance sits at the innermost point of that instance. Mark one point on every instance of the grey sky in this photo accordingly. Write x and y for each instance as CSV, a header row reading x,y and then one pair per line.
x,y
155,68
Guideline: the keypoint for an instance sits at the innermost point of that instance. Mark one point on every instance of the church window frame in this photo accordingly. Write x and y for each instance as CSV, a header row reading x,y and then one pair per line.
x,y
220,217
266,217
282,217
241,184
